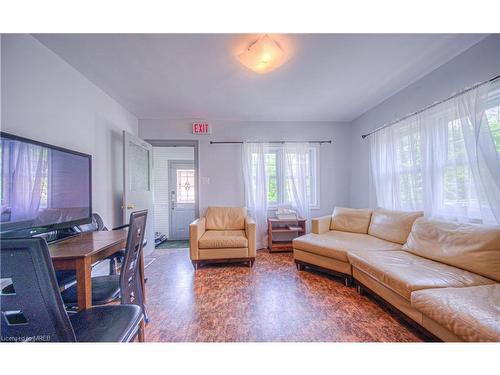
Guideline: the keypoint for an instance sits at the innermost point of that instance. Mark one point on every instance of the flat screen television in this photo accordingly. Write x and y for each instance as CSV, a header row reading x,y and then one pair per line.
x,y
42,187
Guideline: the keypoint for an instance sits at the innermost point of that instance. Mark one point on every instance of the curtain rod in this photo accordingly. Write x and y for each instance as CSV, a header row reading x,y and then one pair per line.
x,y
429,106
281,142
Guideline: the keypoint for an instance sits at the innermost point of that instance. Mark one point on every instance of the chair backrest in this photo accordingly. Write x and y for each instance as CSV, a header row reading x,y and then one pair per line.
x,y
97,219
30,301
97,224
225,218
130,283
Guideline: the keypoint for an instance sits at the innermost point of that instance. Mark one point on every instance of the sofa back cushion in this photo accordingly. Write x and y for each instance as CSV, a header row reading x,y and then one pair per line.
x,y
394,226
350,220
226,218
472,247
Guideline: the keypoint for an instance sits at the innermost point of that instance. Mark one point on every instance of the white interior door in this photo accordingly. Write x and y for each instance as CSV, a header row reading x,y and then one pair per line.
x,y
182,197
138,182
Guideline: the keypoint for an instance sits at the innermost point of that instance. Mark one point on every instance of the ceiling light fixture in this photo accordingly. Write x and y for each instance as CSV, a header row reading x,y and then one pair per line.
x,y
263,55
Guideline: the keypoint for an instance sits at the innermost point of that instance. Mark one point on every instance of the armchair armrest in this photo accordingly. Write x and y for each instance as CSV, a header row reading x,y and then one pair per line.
x,y
321,224
250,232
196,230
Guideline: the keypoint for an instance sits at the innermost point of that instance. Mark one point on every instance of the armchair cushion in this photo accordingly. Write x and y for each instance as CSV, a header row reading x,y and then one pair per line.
x,y
226,218
214,239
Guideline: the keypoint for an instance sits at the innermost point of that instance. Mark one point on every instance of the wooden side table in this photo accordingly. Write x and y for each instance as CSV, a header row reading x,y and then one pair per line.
x,y
296,227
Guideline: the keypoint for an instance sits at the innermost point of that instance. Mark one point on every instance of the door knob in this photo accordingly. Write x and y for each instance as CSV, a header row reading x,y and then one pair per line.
x,y
129,206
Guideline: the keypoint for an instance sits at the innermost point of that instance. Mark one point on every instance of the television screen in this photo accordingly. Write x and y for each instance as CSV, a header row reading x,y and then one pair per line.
x,y
42,185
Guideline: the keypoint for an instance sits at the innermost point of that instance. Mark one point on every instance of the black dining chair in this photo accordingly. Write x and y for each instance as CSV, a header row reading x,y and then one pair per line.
x,y
127,286
97,224
65,277
32,308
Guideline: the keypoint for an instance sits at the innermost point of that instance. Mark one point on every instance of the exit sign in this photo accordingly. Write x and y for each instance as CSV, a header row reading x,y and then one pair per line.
x,y
202,128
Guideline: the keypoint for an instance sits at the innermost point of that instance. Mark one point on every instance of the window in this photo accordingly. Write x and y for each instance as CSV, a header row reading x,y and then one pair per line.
x,y
45,173
493,116
458,189
278,186
185,185
33,164
435,161
408,160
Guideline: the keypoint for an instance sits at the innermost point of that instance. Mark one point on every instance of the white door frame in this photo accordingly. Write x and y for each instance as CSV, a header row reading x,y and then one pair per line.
x,y
184,143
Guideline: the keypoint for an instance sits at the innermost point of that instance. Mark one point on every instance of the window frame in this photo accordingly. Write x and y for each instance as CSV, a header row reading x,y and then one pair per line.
x,y
281,178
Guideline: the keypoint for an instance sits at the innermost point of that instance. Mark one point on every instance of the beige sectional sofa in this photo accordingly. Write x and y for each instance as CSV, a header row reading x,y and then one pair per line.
x,y
347,230
443,275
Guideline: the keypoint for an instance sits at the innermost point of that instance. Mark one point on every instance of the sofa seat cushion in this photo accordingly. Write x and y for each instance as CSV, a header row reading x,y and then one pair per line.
x,y
405,273
473,314
336,244
217,239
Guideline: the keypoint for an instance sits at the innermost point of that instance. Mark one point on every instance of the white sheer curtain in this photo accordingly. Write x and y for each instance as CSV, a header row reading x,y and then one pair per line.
x,y
254,173
296,157
479,116
27,171
395,166
445,160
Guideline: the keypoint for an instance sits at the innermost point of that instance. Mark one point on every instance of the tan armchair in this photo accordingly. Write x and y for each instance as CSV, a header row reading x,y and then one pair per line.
x,y
225,234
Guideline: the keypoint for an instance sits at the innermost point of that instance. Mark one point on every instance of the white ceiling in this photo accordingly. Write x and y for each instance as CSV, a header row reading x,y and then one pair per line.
x,y
329,77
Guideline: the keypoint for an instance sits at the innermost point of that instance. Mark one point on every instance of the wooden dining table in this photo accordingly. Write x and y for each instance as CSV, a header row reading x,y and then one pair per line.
x,y
80,252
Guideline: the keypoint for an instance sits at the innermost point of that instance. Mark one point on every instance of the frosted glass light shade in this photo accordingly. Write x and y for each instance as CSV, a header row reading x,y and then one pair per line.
x,y
263,56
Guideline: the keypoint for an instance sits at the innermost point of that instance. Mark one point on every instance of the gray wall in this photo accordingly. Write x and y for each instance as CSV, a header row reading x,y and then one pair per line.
x,y
222,163
45,99
479,63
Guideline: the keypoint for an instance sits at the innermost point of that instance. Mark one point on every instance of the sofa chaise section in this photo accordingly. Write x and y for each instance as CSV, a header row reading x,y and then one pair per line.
x,y
465,314
395,275
438,258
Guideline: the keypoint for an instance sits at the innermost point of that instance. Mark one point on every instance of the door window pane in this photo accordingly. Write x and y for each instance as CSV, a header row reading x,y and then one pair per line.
x,y
139,168
185,185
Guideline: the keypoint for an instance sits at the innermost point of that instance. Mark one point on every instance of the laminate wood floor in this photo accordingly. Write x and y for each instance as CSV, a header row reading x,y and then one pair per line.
x,y
270,302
